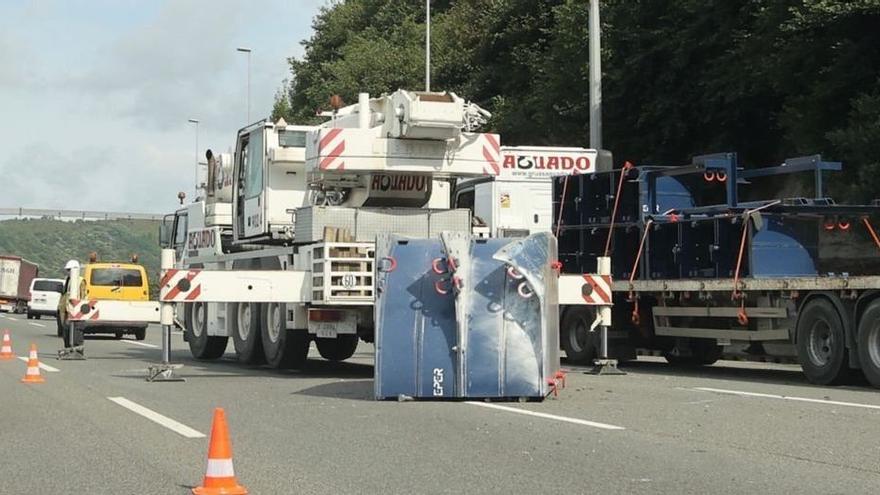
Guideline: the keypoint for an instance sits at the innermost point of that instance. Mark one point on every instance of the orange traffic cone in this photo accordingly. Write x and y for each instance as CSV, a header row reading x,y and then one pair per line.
x,y
6,351
220,477
33,370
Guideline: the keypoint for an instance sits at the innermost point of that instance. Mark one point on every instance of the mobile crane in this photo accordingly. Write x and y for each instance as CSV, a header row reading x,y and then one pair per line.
x,y
281,250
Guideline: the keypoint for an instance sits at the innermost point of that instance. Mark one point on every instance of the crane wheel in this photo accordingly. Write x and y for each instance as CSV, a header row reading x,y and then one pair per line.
x,y
283,348
246,330
201,345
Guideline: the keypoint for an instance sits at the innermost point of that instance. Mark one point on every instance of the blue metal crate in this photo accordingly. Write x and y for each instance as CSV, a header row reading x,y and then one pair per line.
x,y
415,327
490,333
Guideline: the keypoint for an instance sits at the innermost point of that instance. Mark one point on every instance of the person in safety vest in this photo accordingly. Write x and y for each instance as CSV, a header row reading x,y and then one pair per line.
x,y
61,319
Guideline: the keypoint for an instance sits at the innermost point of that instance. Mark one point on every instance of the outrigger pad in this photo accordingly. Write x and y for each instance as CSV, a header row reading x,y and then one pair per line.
x,y
164,372
76,353
466,317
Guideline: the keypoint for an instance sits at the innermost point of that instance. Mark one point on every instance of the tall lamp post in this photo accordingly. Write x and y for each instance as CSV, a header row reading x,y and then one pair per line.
x,y
595,54
248,52
427,45
196,122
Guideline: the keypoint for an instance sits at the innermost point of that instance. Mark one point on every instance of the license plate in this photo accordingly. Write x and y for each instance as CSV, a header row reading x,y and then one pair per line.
x,y
325,331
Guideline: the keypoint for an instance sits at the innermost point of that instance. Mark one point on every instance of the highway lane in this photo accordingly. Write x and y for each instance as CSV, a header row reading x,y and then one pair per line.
x,y
318,431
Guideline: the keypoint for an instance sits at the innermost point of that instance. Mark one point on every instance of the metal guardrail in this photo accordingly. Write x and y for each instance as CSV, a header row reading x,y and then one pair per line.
x,y
83,214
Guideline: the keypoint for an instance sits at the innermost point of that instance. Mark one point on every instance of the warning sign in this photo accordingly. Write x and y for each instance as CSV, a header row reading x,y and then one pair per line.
x,y
505,200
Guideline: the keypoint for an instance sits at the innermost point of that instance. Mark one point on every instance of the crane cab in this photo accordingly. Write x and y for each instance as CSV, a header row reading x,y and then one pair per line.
x,y
269,181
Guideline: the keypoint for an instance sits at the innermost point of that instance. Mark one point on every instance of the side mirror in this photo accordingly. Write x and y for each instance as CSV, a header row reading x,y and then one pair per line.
x,y
165,235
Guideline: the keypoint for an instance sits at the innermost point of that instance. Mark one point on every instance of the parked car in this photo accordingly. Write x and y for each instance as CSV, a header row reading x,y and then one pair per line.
x,y
45,294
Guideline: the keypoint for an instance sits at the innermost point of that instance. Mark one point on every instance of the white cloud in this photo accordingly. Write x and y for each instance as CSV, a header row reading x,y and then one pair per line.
x,y
95,177
95,97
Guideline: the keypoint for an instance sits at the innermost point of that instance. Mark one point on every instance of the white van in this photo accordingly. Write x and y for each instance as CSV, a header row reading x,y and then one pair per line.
x,y
45,293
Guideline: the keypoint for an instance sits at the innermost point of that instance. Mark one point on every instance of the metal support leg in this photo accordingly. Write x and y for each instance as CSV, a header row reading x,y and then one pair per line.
x,y
605,365
77,349
164,371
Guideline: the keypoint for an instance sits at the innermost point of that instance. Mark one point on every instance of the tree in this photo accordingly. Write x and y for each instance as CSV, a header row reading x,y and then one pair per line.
x,y
769,79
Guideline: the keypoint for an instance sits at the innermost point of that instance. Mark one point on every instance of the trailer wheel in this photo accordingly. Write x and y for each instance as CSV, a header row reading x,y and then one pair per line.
x,y
578,342
140,333
338,349
201,345
283,348
246,332
821,343
869,343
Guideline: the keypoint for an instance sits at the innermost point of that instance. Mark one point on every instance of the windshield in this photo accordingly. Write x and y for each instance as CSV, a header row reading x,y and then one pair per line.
x,y
125,277
48,285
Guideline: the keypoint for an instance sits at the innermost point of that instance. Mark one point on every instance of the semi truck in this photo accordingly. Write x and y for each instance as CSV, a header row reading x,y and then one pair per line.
x,y
16,274
705,265
303,206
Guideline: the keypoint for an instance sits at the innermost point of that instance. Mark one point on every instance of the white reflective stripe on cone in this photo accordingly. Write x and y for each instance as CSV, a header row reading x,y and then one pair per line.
x,y
33,370
219,468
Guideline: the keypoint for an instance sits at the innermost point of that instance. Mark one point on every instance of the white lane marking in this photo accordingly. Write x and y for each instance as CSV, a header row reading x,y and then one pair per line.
x,y
135,342
36,324
165,421
786,397
554,417
44,367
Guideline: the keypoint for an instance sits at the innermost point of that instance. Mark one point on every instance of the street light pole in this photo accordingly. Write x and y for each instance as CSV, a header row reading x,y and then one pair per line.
x,y
248,51
595,54
196,122
427,46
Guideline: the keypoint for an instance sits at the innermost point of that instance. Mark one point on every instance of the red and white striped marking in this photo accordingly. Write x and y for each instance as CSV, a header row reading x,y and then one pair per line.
x,y
331,146
600,289
492,154
75,310
170,286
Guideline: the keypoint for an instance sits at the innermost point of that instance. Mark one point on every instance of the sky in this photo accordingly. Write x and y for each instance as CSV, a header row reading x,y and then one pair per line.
x,y
95,96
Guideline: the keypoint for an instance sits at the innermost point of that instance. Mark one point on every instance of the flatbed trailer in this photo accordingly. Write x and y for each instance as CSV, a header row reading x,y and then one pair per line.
x,y
795,277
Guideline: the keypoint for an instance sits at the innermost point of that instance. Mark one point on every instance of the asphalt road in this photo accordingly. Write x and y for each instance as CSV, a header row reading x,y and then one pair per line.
x,y
655,430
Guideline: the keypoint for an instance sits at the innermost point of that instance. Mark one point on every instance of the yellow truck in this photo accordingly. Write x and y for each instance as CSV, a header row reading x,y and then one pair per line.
x,y
108,281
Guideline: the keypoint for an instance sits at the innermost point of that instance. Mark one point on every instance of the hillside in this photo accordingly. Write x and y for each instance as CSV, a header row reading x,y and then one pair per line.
x,y
51,243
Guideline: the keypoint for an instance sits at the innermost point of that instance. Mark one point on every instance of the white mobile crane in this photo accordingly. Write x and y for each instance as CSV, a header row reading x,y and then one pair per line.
x,y
280,250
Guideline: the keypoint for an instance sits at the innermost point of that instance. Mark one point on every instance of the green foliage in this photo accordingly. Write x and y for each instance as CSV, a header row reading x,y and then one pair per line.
x,y
769,79
282,108
51,243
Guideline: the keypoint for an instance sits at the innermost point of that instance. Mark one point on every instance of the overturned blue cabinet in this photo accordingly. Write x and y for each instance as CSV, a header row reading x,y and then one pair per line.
x,y
459,317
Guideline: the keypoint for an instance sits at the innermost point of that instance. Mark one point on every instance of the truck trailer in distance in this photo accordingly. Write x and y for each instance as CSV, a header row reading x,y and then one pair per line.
x,y
16,274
